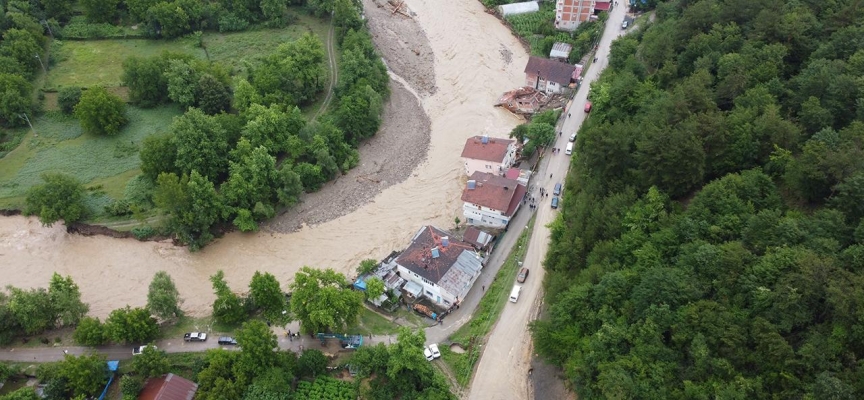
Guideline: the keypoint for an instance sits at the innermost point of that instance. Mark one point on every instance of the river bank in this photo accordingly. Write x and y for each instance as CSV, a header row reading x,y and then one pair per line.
x,y
473,59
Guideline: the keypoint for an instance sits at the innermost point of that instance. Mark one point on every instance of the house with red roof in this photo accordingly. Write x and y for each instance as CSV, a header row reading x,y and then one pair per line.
x,y
485,154
168,387
491,200
442,267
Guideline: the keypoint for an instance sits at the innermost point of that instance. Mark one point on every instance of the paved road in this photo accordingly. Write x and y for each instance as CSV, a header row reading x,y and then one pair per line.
x,y
503,369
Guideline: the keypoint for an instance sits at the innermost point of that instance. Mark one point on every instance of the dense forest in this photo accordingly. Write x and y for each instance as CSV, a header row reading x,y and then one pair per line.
x,y
711,242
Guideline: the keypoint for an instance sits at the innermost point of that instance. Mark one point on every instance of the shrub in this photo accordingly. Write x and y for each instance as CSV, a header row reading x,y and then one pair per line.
x,y
118,208
68,98
230,22
101,112
60,197
143,232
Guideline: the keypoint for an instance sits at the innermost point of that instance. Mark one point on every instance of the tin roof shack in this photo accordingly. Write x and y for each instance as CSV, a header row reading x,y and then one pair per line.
x,y
547,75
479,239
444,267
560,51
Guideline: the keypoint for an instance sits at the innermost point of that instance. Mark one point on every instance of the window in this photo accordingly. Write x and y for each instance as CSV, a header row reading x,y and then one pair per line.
x,y
488,166
428,293
446,303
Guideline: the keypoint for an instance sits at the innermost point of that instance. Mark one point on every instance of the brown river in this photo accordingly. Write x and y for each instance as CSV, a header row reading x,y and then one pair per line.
x,y
471,72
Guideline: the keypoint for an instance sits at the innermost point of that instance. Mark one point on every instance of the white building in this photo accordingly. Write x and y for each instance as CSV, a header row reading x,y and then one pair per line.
x,y
485,154
444,267
550,76
518,8
491,200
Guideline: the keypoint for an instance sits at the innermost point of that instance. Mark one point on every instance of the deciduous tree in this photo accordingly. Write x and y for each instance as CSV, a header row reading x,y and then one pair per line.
x,y
265,293
100,10
257,342
14,99
201,144
321,300
60,197
163,299
131,325
151,362
227,308
85,375
66,298
90,332
101,112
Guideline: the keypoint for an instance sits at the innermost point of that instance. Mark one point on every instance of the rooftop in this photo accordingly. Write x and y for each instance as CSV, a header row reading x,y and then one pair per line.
x,y
428,241
550,70
168,387
476,237
560,50
493,150
495,192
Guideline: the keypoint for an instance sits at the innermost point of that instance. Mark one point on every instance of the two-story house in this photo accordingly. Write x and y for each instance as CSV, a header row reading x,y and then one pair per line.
x,y
485,154
547,75
443,266
491,200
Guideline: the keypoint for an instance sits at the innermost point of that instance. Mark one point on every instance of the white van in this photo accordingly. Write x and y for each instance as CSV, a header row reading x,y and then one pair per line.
x,y
569,150
514,294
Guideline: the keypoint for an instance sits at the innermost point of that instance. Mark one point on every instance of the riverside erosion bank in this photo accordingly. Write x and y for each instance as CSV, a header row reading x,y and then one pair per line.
x,y
473,58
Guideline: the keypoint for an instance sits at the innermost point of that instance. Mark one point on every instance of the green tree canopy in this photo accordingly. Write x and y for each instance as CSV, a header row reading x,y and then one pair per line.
x,y
227,308
321,300
101,112
265,293
66,299
151,362
90,332
60,197
131,325
163,299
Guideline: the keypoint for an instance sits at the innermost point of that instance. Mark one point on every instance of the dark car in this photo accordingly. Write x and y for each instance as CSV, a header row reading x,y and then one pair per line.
x,y
555,202
225,340
523,274
557,191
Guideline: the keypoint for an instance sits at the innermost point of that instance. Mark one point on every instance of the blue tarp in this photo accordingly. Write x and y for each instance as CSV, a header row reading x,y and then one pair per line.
x,y
360,284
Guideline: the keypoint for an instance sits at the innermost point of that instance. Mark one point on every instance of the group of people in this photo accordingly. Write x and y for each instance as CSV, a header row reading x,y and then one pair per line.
x,y
291,336
533,200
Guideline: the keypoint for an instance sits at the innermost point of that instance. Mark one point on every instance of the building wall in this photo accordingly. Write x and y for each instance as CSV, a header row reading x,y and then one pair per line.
x,y
497,168
430,290
570,13
483,216
543,86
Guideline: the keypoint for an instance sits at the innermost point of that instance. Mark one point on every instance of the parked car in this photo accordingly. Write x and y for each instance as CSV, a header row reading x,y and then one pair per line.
x,y
195,337
587,106
557,190
625,24
573,137
428,354
434,348
227,340
555,202
140,349
523,274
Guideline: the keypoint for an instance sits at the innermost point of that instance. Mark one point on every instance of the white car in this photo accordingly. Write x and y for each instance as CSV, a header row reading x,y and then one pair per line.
x,y
573,137
138,350
428,354
434,348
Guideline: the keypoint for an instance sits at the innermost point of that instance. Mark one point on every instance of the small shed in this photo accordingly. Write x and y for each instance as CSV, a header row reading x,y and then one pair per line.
x,y
560,51
518,8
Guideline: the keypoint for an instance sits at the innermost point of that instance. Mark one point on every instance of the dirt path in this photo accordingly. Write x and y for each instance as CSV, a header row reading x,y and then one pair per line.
x,y
503,371
334,70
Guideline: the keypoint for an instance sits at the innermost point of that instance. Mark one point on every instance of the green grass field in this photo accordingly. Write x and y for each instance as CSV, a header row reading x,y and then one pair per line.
x,y
107,164
95,160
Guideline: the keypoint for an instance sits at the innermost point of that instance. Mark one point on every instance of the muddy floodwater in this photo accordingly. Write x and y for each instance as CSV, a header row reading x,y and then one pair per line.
x,y
476,59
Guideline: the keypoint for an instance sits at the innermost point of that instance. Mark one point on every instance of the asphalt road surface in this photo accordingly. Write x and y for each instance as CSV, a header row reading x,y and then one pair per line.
x,y
502,373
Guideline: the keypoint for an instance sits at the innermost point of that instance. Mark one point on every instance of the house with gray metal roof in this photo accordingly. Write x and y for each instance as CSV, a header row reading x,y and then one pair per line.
x,y
443,266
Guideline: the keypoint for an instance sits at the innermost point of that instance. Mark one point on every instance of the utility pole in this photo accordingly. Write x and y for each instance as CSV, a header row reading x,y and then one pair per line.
x,y
43,65
44,22
24,117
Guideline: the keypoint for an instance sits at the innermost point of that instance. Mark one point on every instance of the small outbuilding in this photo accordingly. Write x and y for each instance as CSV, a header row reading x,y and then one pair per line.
x,y
518,8
560,51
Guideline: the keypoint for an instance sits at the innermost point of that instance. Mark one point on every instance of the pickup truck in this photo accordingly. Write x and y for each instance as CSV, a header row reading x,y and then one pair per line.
x,y
195,337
